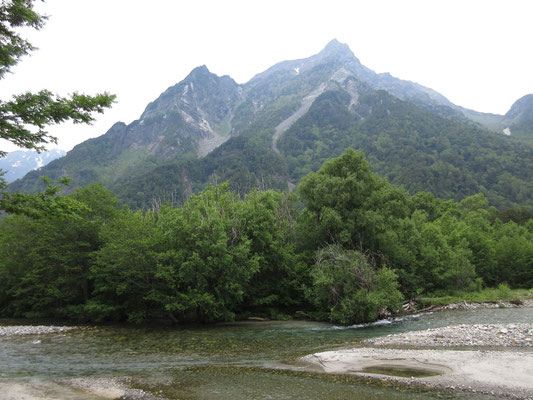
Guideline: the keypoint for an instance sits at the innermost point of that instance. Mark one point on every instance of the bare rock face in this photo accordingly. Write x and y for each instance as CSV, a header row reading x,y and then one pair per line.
x,y
203,101
194,110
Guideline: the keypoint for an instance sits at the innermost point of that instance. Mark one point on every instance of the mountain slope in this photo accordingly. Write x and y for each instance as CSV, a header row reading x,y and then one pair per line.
x,y
185,120
518,121
411,147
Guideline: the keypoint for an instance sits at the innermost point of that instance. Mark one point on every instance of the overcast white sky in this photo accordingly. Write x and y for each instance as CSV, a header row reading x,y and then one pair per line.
x,y
477,53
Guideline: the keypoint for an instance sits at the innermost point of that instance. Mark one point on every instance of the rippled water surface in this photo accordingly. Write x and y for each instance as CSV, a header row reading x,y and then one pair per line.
x,y
221,361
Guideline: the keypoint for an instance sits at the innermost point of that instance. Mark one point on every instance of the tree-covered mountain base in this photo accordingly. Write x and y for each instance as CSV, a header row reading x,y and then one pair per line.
x,y
348,247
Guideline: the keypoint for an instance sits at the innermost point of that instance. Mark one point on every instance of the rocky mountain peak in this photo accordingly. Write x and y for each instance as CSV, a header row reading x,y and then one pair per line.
x,y
199,72
199,87
337,52
337,48
334,53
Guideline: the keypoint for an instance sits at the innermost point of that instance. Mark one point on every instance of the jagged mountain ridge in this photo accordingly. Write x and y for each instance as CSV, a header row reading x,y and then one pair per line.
x,y
190,118
181,120
342,54
209,126
205,103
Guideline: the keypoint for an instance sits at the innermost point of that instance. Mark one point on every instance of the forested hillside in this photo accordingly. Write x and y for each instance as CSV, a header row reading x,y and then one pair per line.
x,y
413,148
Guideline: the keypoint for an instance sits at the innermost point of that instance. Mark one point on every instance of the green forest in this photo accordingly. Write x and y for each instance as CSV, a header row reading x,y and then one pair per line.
x,y
346,246
412,148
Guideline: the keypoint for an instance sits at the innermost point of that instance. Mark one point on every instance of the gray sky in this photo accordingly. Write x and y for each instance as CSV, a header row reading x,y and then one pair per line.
x,y
477,53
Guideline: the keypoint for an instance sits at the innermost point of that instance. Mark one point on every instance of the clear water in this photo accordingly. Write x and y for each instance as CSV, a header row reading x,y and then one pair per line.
x,y
395,370
238,360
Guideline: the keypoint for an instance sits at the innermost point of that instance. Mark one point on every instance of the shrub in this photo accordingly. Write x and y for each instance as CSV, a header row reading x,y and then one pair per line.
x,y
348,287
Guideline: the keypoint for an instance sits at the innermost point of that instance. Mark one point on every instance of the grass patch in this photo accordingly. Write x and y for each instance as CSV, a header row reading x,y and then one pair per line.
x,y
488,295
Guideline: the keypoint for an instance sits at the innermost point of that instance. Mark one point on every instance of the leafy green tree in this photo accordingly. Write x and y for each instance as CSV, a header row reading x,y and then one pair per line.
x,y
43,204
124,270
216,256
520,215
513,254
270,220
45,261
443,264
24,118
348,204
208,262
433,207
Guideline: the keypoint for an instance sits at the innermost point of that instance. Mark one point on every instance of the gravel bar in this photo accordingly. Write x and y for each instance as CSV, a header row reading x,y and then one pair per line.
x,y
13,330
501,335
464,305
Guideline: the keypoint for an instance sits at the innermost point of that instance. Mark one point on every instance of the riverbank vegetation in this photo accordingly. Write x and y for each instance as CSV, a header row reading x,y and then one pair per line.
x,y
346,247
498,295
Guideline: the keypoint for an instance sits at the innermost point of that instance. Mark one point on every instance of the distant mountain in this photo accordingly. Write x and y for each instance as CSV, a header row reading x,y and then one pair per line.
x,y
518,121
285,122
17,163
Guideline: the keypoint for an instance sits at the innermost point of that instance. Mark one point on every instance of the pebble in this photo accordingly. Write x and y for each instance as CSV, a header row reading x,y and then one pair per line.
x,y
33,329
513,335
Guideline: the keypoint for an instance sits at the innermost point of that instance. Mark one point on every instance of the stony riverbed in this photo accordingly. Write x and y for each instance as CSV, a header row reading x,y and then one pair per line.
x,y
33,329
465,305
504,335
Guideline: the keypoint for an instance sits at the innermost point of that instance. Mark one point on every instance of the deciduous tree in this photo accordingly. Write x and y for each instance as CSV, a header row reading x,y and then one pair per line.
x,y
24,118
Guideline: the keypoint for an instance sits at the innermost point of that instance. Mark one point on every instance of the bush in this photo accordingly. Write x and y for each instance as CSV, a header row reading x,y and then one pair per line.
x,y
348,287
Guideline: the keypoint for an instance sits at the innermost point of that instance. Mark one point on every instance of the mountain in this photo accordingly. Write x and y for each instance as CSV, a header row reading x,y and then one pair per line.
x,y
285,122
518,121
345,58
17,163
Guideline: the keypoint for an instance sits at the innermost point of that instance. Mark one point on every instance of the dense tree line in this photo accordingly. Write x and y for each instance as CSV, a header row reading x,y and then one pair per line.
x,y
348,247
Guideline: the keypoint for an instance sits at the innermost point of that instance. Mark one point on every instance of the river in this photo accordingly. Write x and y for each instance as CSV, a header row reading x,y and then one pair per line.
x,y
246,360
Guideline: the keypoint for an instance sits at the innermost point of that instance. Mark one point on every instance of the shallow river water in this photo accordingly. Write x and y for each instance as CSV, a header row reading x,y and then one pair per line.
x,y
248,360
